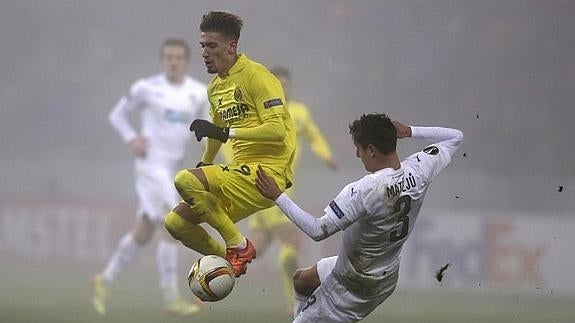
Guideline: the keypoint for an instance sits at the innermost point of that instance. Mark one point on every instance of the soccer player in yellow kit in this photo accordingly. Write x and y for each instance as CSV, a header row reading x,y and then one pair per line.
x,y
271,224
247,108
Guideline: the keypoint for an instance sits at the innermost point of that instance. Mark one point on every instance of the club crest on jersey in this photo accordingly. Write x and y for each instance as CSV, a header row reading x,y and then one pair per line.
x,y
335,208
238,94
432,150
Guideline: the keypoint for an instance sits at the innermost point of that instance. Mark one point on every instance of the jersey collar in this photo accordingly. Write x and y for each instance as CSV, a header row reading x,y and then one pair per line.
x,y
239,64
390,171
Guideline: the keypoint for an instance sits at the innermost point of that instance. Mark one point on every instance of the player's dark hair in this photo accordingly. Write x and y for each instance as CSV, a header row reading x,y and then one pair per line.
x,y
280,71
375,129
175,42
222,22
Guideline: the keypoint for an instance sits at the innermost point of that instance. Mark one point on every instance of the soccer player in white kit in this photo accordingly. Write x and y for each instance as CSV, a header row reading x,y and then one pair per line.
x,y
376,215
166,103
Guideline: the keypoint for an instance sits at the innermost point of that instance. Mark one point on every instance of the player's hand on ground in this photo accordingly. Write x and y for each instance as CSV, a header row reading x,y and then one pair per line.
x,y
139,146
204,128
267,185
402,130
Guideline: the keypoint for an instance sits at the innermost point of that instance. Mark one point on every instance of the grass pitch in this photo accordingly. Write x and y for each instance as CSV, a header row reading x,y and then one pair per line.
x,y
57,293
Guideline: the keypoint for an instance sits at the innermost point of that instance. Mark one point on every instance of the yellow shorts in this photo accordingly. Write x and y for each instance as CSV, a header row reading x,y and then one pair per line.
x,y
235,186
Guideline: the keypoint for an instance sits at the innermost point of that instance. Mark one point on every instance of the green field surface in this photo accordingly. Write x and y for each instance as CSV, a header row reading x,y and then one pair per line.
x,y
51,293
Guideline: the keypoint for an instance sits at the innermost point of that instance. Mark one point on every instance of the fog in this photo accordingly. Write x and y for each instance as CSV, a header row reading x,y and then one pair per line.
x,y
501,71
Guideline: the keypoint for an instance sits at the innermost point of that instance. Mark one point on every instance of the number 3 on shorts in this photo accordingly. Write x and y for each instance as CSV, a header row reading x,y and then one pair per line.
x,y
310,302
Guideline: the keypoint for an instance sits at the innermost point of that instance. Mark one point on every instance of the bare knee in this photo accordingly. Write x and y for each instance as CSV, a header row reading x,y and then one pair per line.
x,y
305,281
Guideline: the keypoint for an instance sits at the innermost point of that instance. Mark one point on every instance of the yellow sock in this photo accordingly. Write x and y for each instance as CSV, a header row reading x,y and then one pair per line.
x,y
208,207
288,260
193,236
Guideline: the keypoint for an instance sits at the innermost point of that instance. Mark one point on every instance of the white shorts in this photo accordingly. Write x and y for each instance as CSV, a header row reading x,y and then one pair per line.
x,y
155,189
332,302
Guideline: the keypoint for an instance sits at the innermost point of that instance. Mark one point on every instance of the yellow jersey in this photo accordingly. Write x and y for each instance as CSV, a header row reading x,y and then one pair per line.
x,y
251,96
307,129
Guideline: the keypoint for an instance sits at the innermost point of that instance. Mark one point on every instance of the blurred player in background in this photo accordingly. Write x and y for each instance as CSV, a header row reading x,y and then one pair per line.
x,y
376,215
271,224
247,108
166,103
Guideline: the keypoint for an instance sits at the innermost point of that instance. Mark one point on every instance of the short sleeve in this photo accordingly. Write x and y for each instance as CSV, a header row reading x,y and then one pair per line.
x,y
347,207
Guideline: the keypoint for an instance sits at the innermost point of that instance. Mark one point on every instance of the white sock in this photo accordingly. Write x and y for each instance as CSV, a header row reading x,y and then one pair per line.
x,y
167,262
242,245
123,256
299,303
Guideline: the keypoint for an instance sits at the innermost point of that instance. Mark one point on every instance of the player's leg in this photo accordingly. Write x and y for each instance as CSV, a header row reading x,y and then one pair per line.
x,y
167,249
203,189
124,254
260,236
288,257
128,247
307,280
194,189
331,301
184,225
275,225
167,263
242,200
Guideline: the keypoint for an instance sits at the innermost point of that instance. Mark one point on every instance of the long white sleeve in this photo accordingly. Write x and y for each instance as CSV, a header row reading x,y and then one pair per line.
x,y
316,228
119,118
450,139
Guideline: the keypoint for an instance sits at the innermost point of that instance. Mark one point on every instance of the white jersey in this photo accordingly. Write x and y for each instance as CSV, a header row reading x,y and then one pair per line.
x,y
167,110
377,214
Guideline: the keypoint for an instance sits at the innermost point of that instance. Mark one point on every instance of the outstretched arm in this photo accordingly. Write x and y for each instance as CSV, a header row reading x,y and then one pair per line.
x,y
316,228
448,138
272,130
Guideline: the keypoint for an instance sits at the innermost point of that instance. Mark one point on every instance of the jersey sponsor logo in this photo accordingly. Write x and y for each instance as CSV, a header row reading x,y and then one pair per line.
x,y
432,150
238,94
402,186
273,103
238,111
177,116
335,208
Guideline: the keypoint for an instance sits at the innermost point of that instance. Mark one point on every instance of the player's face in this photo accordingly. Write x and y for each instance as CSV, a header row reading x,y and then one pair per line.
x,y
174,62
218,52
